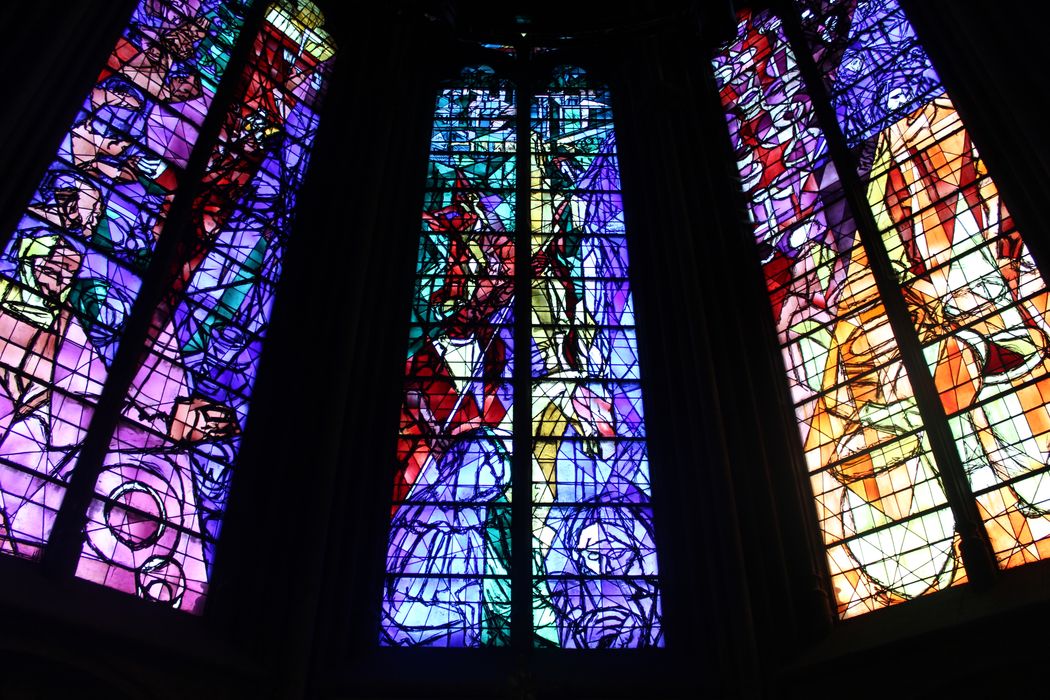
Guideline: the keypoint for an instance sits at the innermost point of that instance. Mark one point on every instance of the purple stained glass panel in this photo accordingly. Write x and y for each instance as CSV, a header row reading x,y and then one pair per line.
x,y
872,62
171,458
70,273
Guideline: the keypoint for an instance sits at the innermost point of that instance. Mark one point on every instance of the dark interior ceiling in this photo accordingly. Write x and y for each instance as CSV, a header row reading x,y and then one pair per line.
x,y
549,22
543,23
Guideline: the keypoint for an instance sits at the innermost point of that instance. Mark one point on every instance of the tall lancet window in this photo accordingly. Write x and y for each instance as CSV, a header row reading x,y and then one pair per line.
x,y
572,441
73,267
448,561
913,320
592,534
72,273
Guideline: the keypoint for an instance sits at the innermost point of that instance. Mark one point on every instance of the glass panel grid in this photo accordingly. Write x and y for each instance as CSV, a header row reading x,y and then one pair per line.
x,y
448,556
69,275
975,295
162,493
881,508
595,573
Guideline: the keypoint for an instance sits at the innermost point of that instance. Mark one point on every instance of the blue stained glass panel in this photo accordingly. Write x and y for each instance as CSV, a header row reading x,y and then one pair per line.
x,y
595,573
448,556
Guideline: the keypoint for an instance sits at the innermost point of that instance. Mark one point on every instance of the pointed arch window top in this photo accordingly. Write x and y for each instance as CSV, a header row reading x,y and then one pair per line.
x,y
875,69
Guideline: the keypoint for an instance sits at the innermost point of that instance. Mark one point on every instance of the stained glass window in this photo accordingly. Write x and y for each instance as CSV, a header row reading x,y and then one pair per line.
x,y
75,263
448,560
594,552
891,204
591,555
74,267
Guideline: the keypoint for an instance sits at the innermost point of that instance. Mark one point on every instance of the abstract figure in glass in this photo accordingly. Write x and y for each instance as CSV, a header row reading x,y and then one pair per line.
x,y
978,303
888,530
449,547
50,367
594,554
70,273
595,573
161,496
